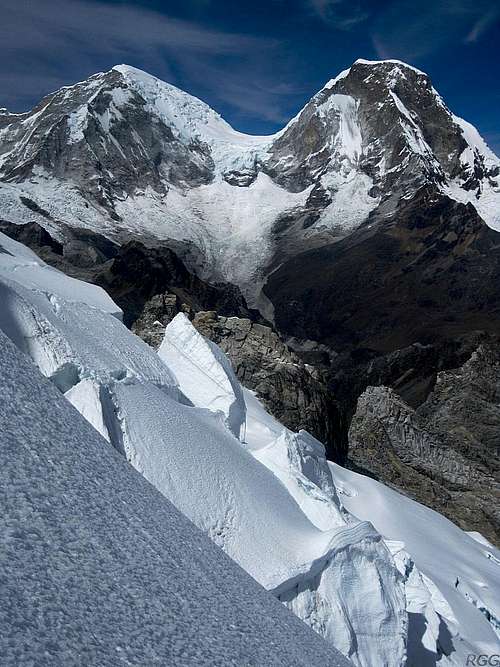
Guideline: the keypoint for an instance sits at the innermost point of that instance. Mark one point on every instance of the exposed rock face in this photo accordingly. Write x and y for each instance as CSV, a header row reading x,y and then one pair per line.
x,y
32,235
156,314
400,299
411,371
446,452
292,391
428,273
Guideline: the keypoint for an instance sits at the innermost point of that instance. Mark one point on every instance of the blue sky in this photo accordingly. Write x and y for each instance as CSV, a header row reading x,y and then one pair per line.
x,y
258,62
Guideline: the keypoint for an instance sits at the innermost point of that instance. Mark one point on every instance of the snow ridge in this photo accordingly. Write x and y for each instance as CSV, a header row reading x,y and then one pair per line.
x,y
109,559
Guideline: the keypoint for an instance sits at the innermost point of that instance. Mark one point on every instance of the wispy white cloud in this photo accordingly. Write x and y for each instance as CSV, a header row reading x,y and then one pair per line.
x,y
45,42
408,31
261,96
341,14
53,23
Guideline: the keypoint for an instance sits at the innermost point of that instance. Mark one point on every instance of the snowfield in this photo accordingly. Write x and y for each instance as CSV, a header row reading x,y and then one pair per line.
x,y
378,576
459,575
98,568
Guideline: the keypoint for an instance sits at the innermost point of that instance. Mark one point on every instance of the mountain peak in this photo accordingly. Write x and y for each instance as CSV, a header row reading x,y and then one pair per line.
x,y
400,63
145,82
123,68
371,63
373,136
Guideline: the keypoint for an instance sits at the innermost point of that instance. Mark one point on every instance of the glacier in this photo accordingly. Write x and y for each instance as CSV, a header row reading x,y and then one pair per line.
x,y
98,568
346,556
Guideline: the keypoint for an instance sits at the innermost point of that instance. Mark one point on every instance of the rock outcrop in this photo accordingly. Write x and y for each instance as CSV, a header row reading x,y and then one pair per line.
x,y
294,392
444,453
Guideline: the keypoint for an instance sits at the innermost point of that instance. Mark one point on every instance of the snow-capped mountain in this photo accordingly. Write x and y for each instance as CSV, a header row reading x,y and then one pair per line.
x,y
264,494
126,154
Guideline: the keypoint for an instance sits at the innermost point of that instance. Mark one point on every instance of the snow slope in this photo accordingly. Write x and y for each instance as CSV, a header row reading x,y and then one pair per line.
x,y
99,569
19,263
191,455
461,574
270,501
66,326
484,198
261,519
452,579
192,120
302,528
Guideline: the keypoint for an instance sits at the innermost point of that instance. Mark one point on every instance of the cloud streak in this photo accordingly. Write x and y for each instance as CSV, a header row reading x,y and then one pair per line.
x,y
84,35
49,23
402,32
483,23
340,14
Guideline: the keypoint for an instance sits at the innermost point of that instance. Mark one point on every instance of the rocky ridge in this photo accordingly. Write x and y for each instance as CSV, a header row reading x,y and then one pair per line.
x,y
444,453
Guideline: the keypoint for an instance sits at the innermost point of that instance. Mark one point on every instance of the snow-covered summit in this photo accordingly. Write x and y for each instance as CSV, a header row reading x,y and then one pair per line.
x,y
126,153
392,61
192,116
193,120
